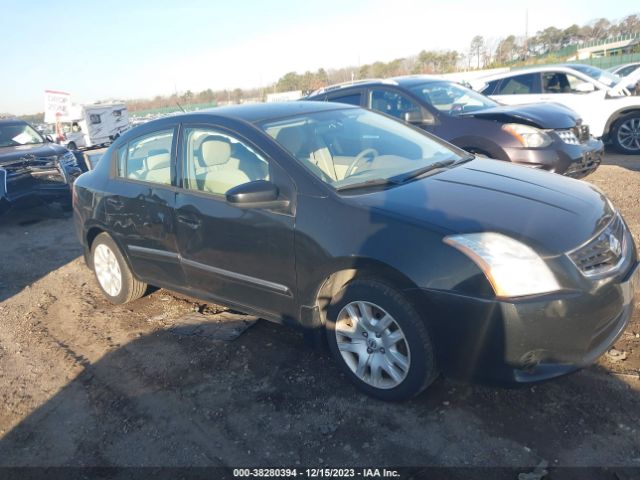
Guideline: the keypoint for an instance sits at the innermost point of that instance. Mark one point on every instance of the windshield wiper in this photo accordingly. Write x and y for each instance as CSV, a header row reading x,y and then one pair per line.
x,y
375,182
421,171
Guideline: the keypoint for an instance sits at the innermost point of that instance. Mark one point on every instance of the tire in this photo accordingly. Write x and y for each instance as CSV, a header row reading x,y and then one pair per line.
x,y
378,363
625,134
109,266
71,146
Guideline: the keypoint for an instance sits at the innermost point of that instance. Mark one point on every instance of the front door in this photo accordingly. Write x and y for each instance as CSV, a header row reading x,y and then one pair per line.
x,y
239,256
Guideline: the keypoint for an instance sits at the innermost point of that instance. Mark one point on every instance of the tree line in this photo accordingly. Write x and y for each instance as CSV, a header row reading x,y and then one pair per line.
x,y
482,53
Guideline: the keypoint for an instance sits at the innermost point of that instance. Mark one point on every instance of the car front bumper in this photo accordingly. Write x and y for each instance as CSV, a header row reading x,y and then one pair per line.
x,y
522,341
572,160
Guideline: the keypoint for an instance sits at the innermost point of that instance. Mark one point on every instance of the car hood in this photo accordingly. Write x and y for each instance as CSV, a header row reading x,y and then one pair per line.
x,y
551,213
541,115
29,152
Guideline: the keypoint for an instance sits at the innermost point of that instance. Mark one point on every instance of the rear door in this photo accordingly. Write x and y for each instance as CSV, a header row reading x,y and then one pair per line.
x,y
239,256
140,206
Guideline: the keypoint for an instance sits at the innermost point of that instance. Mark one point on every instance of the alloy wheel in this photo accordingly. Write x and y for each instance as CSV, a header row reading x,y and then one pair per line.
x,y
629,134
372,344
107,270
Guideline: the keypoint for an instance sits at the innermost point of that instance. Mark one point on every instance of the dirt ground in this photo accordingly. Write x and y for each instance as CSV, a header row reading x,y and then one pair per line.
x,y
85,383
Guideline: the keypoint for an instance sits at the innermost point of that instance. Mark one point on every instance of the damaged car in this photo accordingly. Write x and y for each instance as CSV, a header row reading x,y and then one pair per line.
x,y
408,255
32,168
541,136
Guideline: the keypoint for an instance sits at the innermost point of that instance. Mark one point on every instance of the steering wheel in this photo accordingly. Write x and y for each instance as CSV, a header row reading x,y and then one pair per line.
x,y
367,152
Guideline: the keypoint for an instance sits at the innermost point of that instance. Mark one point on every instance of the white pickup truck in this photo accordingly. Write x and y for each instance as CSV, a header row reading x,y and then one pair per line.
x,y
599,97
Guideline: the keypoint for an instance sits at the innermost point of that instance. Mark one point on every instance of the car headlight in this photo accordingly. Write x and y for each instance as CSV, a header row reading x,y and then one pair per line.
x,y
512,268
529,137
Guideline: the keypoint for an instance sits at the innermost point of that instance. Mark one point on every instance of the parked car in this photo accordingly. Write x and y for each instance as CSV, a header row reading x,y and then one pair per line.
x,y
610,112
411,256
32,168
548,137
625,71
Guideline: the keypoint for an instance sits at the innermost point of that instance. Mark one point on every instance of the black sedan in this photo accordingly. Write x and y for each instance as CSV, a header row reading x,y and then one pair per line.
x,y
409,256
546,136
33,169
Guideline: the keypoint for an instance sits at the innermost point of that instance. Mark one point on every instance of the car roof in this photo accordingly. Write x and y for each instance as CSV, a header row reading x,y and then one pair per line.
x,y
11,121
258,112
406,81
524,71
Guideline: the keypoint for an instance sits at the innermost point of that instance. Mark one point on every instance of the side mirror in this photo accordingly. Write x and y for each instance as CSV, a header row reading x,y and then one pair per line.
x,y
585,87
257,194
49,138
419,116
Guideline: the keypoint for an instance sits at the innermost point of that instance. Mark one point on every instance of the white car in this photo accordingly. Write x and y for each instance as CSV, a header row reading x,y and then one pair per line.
x,y
598,96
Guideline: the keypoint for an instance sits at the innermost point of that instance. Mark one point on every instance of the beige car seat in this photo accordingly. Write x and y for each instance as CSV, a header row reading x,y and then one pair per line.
x,y
304,147
217,173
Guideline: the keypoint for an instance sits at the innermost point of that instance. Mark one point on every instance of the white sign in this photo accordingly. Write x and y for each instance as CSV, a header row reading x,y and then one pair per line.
x,y
56,106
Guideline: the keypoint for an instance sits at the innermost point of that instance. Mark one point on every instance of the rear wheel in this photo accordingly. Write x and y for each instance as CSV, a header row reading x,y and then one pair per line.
x,y
625,134
112,272
377,337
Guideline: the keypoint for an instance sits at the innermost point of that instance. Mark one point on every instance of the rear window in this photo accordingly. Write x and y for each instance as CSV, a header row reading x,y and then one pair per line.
x,y
351,99
147,158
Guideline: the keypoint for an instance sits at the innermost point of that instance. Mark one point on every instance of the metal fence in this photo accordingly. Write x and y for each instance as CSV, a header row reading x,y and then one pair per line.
x,y
610,61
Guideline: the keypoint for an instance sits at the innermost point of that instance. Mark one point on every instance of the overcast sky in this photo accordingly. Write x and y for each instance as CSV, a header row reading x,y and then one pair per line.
x,y
135,48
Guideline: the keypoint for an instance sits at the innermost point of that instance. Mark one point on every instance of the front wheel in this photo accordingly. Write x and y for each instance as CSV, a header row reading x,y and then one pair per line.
x,y
625,134
379,340
112,272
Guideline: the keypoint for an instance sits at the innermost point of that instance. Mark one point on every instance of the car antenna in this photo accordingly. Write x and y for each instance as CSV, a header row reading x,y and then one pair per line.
x,y
177,103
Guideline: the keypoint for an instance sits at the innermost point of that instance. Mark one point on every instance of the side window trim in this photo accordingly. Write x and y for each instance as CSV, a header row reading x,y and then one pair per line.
x,y
120,175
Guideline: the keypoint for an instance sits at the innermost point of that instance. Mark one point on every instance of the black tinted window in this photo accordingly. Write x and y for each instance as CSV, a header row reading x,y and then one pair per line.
x,y
491,87
351,99
391,102
518,85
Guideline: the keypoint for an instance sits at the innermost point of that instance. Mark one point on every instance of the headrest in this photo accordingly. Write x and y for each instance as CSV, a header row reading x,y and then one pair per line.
x,y
161,160
291,138
215,150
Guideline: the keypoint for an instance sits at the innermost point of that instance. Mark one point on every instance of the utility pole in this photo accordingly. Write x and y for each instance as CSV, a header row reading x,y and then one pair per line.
x,y
526,33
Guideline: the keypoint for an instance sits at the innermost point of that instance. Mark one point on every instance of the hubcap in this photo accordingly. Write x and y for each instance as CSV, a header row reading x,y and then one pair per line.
x,y
107,270
629,134
372,345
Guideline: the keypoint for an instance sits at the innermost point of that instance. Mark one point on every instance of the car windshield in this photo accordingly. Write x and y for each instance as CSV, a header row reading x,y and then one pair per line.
x,y
355,147
608,78
14,134
452,98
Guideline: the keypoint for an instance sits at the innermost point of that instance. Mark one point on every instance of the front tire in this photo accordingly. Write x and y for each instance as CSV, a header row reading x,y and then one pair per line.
x,y
380,341
625,134
112,272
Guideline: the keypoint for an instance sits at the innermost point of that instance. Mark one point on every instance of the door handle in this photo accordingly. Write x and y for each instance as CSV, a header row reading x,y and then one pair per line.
x,y
189,221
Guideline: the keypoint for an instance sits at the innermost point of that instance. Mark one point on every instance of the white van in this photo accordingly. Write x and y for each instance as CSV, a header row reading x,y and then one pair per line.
x,y
97,124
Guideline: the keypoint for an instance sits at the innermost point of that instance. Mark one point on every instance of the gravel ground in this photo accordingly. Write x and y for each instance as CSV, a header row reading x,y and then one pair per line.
x,y
86,383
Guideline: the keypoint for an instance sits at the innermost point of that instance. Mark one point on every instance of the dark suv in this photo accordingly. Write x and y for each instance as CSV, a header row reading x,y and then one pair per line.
x,y
32,168
545,136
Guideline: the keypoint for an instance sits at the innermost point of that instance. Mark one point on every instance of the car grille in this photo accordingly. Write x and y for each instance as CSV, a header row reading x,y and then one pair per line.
x,y
603,253
574,136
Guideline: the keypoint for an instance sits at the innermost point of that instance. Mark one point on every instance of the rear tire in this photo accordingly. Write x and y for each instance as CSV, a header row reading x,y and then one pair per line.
x,y
113,273
625,134
380,341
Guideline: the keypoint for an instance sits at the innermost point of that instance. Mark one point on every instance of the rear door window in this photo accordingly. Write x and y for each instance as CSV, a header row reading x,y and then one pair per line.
x,y
519,85
354,98
147,158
